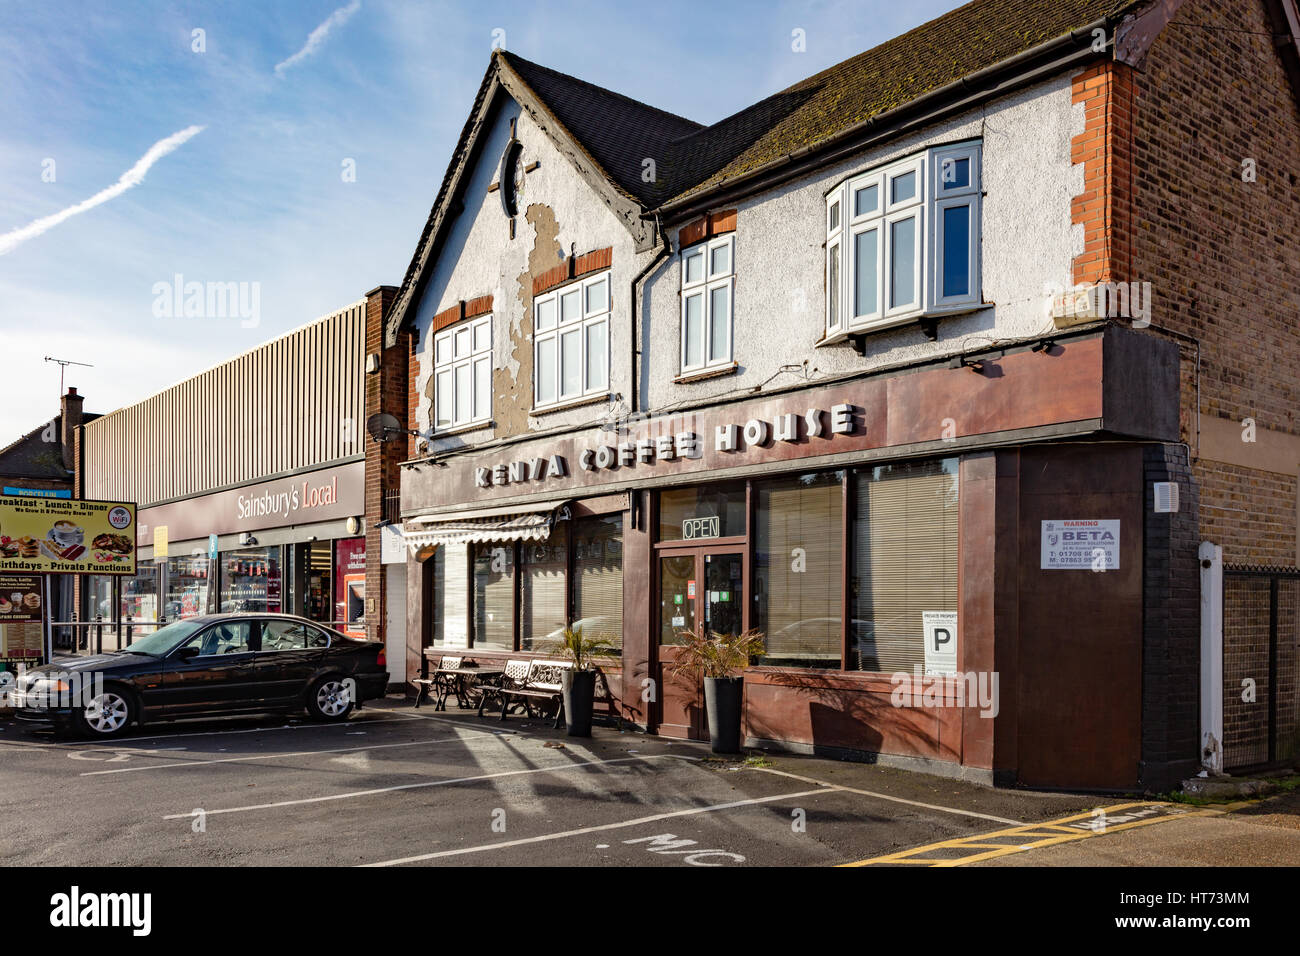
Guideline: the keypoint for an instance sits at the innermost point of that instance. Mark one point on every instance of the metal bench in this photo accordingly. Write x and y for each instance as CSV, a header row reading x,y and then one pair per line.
x,y
426,684
516,674
540,686
439,683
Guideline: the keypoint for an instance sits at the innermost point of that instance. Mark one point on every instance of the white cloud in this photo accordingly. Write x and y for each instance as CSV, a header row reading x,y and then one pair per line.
x,y
317,36
132,177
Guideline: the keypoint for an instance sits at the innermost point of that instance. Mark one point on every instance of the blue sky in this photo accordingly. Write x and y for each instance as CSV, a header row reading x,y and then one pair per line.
x,y
258,195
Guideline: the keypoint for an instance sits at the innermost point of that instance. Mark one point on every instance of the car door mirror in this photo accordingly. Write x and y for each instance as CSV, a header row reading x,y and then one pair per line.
x,y
187,652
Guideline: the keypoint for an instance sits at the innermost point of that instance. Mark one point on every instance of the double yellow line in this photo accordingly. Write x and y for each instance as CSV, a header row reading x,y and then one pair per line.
x,y
1033,836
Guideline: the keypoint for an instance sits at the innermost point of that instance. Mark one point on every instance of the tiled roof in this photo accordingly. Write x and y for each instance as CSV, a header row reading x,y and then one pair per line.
x,y
971,38
620,133
31,456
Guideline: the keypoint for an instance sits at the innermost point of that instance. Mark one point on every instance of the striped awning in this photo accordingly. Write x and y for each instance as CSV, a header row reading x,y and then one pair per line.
x,y
514,524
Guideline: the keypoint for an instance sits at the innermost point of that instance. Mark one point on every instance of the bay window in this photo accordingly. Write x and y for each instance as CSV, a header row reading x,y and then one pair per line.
x,y
902,241
708,281
462,374
571,342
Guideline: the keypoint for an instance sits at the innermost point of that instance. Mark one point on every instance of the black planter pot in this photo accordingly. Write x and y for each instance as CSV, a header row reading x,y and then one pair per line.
x,y
579,689
722,697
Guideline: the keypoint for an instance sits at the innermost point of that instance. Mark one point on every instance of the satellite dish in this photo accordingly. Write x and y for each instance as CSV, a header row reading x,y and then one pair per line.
x,y
383,427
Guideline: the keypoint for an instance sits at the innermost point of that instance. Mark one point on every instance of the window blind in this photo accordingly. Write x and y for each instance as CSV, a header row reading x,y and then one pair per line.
x,y
494,596
439,560
598,577
541,596
904,561
798,556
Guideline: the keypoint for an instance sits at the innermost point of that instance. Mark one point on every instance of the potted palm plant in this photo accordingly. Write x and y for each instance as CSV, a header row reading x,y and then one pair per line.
x,y
720,658
579,682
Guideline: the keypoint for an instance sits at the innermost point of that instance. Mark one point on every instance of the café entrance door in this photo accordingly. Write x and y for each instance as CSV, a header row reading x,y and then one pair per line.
x,y
697,587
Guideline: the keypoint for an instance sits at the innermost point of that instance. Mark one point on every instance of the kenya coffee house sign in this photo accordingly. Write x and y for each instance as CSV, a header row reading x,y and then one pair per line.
x,y
679,442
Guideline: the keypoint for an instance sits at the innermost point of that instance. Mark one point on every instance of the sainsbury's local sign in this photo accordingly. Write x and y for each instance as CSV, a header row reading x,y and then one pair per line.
x,y
323,495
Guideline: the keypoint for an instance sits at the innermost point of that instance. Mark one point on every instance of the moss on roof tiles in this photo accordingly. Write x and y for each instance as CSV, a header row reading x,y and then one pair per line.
x,y
935,54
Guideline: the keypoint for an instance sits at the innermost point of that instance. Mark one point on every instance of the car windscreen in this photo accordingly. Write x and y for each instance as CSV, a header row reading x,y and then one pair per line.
x,y
165,638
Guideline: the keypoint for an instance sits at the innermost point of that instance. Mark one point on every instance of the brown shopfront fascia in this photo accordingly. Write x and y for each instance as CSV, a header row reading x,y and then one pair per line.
x,y
1023,433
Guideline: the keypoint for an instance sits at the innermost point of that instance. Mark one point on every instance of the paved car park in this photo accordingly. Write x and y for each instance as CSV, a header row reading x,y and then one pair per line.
x,y
395,786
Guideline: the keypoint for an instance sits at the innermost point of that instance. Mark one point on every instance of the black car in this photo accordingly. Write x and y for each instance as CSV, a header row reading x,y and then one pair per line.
x,y
212,665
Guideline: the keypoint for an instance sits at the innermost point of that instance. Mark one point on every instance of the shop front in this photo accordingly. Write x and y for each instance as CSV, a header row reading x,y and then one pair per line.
x,y
292,545
882,533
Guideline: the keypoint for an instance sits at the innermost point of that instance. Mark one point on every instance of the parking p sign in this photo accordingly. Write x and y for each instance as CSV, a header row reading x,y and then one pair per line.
x,y
940,641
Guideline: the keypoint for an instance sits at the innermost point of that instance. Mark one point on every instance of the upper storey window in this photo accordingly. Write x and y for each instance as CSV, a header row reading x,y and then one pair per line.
x,y
571,342
902,241
708,281
462,374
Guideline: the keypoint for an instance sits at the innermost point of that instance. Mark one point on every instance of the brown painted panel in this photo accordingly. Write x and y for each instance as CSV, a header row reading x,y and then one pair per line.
x,y
1006,613
975,598
1080,675
637,583
826,709
1022,390
1017,391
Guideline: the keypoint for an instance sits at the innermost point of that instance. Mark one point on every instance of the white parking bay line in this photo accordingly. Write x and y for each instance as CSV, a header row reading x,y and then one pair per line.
x,y
181,762
559,768
892,799
565,834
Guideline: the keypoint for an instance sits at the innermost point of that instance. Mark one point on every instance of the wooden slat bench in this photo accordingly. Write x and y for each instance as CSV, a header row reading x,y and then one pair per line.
x,y
541,685
516,673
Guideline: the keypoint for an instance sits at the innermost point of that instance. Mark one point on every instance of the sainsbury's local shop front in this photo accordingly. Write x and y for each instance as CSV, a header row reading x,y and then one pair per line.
x,y
919,549
289,545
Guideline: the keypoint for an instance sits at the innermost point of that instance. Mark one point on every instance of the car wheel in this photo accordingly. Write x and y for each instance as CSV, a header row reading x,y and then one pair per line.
x,y
107,714
331,698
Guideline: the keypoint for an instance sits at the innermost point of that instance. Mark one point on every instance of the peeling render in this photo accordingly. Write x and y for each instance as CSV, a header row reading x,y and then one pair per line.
x,y
512,386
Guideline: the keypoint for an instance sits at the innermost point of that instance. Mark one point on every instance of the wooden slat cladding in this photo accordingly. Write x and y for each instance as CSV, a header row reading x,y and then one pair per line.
x,y
290,404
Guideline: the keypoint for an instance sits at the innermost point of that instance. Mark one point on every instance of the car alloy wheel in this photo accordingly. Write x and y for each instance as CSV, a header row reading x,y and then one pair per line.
x,y
107,713
333,698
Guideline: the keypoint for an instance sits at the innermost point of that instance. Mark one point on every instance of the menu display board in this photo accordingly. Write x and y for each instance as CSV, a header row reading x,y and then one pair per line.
x,y
58,536
22,643
20,598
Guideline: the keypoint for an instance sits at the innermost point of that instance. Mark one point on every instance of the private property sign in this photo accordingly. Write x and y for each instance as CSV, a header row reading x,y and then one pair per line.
x,y
1083,544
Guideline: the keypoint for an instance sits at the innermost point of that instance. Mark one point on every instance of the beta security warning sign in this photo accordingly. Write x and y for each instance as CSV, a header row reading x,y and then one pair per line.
x,y
1084,544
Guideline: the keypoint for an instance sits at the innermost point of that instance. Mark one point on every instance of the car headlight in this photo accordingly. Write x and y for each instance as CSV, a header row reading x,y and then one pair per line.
x,y
45,686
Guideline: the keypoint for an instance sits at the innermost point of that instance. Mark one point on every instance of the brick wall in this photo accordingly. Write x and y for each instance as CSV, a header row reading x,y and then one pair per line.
x,y
386,391
1220,252
1104,149
1171,626
1250,512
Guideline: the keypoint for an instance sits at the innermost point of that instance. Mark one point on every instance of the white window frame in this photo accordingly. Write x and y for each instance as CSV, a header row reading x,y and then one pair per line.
x,y
931,198
476,357
947,195
586,319
708,283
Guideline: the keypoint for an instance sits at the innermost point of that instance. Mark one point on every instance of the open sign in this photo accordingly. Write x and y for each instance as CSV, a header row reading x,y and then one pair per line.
x,y
700,528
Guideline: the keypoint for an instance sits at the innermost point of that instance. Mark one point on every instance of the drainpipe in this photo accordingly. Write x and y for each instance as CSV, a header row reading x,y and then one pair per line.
x,y
1211,556
664,252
